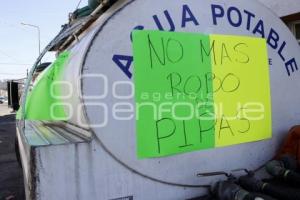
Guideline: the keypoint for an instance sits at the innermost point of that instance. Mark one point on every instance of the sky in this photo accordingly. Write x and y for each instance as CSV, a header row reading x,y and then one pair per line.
x,y
18,43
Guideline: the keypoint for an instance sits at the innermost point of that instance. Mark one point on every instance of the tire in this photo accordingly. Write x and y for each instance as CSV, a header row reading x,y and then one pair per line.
x,y
17,151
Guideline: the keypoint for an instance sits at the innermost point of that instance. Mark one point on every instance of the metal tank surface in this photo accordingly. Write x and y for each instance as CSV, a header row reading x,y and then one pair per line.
x,y
93,155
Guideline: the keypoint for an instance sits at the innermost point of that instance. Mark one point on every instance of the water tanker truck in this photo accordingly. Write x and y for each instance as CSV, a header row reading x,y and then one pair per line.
x,y
111,118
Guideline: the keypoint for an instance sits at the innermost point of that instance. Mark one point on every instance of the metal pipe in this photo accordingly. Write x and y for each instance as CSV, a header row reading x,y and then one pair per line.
x,y
83,25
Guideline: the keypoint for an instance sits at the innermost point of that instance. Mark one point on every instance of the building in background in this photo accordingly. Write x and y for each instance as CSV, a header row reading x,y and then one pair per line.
x,y
3,89
15,90
293,22
289,11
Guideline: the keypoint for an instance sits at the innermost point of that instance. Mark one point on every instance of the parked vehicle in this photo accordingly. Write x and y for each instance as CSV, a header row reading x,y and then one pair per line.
x,y
3,99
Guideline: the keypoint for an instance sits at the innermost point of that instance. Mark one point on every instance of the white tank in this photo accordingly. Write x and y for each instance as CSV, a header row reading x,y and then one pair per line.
x,y
105,165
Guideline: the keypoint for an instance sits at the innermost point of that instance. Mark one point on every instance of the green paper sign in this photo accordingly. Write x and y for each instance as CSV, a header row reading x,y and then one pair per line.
x,y
192,91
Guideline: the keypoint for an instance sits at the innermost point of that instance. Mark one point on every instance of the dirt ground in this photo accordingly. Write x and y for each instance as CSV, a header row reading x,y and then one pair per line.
x,y
11,176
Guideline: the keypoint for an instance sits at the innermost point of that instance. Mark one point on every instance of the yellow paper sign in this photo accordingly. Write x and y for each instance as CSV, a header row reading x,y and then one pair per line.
x,y
242,89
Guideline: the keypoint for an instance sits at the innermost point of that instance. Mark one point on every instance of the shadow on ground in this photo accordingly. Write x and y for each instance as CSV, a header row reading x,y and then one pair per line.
x,y
11,176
